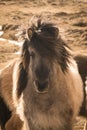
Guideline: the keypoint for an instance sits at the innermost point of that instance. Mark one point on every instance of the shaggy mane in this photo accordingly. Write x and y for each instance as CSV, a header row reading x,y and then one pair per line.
x,y
47,42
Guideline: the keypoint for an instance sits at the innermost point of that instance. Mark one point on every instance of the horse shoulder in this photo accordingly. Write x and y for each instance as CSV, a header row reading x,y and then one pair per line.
x,y
14,123
6,84
75,86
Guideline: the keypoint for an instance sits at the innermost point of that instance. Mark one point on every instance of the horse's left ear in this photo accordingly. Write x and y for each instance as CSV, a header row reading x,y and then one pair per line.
x,y
56,32
50,30
53,31
25,54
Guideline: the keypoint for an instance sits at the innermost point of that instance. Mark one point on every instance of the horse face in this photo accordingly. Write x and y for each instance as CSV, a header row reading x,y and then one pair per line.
x,y
40,67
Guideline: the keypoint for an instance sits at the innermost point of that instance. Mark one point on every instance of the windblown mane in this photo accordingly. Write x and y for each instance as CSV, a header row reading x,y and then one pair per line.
x,y
44,38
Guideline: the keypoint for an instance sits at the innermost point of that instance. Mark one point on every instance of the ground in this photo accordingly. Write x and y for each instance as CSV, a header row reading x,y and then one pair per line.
x,y
70,16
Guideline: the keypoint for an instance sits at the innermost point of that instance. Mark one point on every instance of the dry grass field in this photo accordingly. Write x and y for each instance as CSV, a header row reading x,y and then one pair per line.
x,y
70,16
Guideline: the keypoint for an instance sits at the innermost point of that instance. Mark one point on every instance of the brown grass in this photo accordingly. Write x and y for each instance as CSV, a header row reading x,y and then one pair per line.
x,y
7,52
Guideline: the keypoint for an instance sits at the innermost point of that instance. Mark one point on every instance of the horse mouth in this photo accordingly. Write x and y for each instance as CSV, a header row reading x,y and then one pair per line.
x,y
41,87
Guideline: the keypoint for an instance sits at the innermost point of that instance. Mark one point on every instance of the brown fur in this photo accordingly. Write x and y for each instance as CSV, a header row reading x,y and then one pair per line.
x,y
81,61
45,58
7,83
14,123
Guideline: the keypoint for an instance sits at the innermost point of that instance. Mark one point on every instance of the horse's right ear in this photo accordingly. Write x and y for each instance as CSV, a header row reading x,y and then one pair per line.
x,y
29,33
25,54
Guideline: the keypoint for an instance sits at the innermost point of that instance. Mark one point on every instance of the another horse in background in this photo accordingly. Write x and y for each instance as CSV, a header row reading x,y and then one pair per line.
x,y
46,89
81,61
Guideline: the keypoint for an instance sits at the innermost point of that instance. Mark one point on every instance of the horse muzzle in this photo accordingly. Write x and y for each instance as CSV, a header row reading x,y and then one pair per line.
x,y
41,87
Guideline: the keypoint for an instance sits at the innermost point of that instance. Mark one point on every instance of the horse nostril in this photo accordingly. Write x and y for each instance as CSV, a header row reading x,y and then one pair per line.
x,y
41,87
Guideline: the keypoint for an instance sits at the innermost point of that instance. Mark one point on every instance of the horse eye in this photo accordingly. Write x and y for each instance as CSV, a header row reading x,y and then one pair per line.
x,y
32,54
